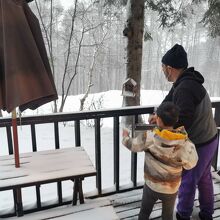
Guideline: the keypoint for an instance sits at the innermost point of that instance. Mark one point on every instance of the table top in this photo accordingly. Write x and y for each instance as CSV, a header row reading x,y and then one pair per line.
x,y
45,167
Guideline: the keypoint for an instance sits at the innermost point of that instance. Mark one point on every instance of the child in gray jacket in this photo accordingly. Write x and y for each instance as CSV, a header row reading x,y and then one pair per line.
x,y
167,152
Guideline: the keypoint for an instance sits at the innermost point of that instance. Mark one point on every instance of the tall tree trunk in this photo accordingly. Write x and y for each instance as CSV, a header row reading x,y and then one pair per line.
x,y
134,32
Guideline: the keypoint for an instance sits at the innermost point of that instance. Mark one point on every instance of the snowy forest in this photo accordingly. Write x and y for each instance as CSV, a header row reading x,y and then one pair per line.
x,y
87,48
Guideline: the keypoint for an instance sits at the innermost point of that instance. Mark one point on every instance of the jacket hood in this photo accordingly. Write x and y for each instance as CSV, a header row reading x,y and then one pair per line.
x,y
190,74
170,137
175,134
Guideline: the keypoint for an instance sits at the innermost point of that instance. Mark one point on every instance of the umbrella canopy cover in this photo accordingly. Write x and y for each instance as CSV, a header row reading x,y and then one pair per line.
x,y
26,79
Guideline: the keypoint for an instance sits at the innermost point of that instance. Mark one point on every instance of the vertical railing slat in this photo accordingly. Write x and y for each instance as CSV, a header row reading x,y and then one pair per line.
x,y
217,121
56,135
215,158
10,151
98,156
34,148
77,133
57,146
38,196
134,157
77,141
33,138
116,154
9,139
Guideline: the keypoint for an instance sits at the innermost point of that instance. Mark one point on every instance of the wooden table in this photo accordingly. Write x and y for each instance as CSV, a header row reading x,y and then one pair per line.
x,y
42,167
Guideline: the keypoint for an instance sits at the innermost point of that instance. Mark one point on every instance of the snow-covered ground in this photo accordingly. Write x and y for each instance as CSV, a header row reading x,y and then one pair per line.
x,y
45,140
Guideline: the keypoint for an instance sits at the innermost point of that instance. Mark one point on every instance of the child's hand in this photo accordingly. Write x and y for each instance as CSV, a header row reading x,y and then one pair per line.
x,y
125,132
152,119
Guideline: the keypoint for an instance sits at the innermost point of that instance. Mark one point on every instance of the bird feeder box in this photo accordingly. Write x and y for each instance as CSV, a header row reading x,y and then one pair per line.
x,y
129,88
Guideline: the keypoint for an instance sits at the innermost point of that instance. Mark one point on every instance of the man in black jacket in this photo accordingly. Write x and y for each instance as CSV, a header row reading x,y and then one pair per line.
x,y
196,116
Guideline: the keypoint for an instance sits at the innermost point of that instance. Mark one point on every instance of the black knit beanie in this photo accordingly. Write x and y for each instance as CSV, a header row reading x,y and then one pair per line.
x,y
176,57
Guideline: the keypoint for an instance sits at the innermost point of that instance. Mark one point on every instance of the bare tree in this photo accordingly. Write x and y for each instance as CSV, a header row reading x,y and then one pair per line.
x,y
81,14
65,93
90,72
47,22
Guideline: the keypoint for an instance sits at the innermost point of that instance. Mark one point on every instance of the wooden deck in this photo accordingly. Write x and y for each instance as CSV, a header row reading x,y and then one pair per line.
x,y
127,205
118,206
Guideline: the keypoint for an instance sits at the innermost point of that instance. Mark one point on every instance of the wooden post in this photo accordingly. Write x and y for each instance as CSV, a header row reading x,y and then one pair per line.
x,y
18,202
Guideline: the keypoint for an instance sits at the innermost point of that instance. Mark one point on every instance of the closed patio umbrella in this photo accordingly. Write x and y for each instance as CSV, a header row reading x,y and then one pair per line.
x,y
26,80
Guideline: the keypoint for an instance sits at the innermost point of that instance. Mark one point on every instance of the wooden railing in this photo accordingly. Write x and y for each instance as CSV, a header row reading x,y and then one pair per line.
x,y
76,118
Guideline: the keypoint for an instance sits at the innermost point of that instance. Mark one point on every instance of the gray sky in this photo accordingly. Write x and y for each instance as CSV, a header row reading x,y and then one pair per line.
x,y
67,3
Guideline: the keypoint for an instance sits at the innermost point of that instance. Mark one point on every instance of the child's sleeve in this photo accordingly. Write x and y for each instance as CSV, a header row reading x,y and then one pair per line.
x,y
190,156
139,143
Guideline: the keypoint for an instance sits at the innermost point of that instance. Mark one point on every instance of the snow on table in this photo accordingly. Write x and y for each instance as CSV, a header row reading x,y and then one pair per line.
x,y
41,167
44,167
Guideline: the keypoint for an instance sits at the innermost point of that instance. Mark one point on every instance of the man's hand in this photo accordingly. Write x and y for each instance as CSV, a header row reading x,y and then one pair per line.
x,y
152,119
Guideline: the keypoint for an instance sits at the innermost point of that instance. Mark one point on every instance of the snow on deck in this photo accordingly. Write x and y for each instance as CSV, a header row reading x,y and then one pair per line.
x,y
96,209
118,206
127,205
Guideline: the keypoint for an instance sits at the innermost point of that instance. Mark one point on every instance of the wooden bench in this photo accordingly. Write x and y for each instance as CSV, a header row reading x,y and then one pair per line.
x,y
42,167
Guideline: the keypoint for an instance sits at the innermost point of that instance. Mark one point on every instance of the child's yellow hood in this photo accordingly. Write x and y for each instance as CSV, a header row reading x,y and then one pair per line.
x,y
175,134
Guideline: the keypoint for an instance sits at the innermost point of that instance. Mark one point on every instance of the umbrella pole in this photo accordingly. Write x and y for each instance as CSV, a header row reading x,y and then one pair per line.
x,y
15,138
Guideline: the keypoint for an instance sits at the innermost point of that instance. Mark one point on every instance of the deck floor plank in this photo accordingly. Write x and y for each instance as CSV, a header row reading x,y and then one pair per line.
x,y
127,207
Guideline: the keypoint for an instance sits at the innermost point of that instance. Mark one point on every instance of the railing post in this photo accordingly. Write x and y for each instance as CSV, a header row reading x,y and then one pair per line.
x,y
33,138
77,133
38,196
34,148
217,121
217,115
9,138
134,157
98,156
57,146
116,153
56,134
